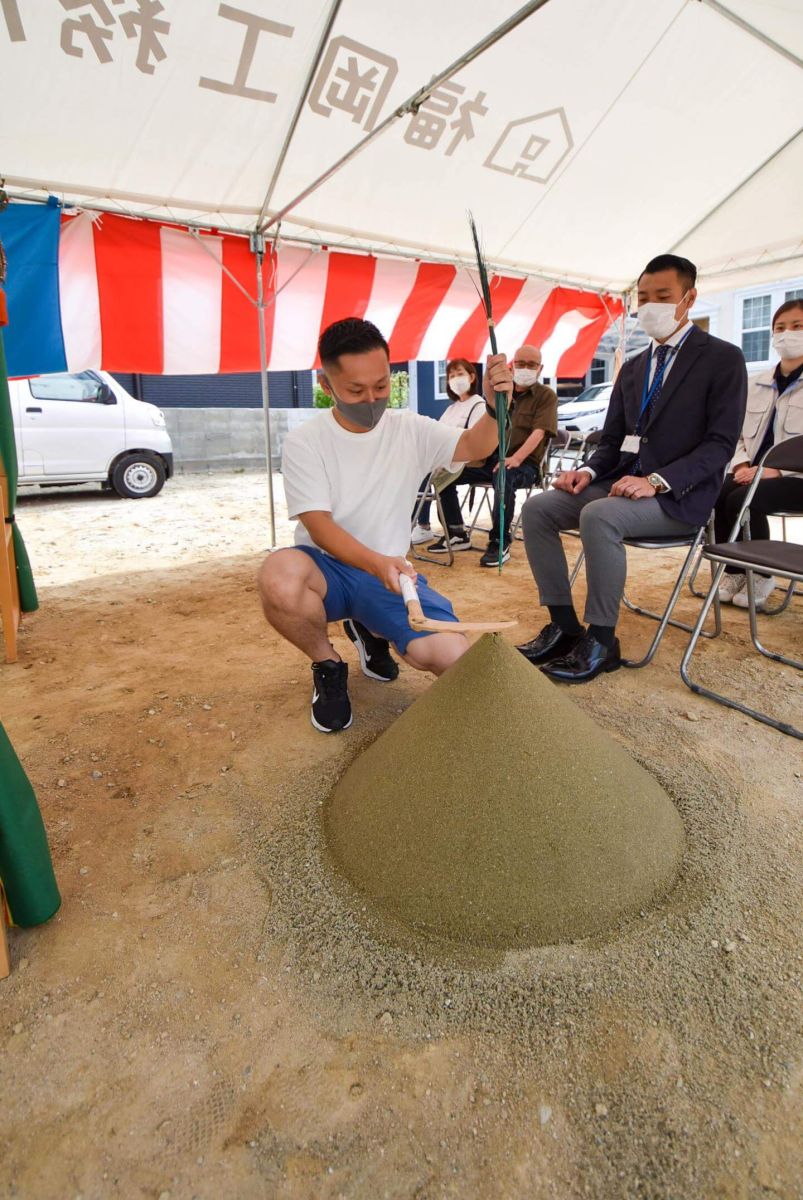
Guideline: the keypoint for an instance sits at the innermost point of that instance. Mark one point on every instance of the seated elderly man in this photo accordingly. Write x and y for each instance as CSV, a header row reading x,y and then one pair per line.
x,y
672,426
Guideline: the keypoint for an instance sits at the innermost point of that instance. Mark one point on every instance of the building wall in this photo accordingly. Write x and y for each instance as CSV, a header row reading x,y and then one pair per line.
x,y
288,389
229,439
431,395
731,319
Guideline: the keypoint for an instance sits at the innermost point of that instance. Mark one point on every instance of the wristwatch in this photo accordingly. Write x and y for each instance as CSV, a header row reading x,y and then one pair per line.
x,y
658,482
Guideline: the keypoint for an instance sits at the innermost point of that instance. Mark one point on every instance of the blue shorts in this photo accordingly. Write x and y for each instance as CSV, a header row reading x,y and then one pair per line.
x,y
351,592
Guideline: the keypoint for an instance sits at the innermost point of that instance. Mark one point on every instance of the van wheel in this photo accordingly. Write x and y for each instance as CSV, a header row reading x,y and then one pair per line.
x,y
138,476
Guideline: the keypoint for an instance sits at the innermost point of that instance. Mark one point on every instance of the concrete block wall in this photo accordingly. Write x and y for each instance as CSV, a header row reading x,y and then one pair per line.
x,y
227,439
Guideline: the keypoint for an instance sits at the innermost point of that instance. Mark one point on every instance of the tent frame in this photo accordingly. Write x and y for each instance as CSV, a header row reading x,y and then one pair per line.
x,y
264,222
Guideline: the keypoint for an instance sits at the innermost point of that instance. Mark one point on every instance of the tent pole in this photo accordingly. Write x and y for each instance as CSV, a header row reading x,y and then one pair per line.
x,y
324,38
752,31
257,243
411,105
734,191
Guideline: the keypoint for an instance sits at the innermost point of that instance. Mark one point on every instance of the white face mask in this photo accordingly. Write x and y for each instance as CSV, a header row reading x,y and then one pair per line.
x,y
523,377
460,384
659,320
788,344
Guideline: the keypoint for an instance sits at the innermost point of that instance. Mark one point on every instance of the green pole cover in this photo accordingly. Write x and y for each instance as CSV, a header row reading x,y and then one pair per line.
x,y
26,868
8,453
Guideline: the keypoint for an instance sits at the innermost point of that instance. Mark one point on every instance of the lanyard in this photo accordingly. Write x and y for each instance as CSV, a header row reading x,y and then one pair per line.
x,y
650,390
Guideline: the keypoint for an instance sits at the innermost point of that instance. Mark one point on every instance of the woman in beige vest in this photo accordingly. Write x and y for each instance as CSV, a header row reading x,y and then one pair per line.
x,y
774,413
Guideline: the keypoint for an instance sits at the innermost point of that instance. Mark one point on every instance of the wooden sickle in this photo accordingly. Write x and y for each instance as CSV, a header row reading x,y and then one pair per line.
x,y
423,624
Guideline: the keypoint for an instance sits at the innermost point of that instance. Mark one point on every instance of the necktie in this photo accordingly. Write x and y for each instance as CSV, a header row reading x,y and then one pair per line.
x,y
654,392
657,383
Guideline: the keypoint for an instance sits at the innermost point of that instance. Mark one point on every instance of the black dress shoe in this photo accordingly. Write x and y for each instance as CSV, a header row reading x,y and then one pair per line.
x,y
550,643
588,659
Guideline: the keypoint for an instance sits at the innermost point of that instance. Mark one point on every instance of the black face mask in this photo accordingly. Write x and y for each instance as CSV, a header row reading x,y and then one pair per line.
x,y
365,413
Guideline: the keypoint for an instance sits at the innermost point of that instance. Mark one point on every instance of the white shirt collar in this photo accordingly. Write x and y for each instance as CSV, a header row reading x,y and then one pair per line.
x,y
676,338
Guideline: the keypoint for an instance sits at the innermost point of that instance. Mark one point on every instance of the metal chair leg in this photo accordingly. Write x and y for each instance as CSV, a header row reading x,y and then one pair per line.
x,y
665,618
698,688
782,607
693,577
439,507
576,568
486,501
751,608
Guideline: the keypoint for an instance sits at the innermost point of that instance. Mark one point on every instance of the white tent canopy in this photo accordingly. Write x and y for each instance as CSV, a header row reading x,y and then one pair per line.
x,y
590,136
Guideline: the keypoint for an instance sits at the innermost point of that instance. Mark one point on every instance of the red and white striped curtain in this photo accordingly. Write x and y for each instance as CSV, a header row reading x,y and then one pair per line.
x,y
156,299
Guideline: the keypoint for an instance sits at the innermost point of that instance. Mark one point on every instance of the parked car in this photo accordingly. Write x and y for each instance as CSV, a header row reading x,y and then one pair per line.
x,y
585,412
86,428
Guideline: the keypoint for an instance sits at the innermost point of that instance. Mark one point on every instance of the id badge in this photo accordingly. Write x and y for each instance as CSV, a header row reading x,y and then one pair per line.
x,y
631,444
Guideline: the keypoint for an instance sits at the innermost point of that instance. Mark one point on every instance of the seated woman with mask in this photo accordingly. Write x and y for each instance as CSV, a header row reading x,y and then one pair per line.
x,y
774,413
466,408
533,421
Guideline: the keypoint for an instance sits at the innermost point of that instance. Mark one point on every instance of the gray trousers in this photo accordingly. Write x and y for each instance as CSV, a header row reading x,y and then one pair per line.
x,y
603,521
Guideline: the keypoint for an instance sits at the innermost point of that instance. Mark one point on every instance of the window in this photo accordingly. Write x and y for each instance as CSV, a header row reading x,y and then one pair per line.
x,y
86,387
440,378
795,294
756,318
597,372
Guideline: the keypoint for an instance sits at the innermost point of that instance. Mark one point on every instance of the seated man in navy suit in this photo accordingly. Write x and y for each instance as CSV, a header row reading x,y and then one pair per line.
x,y
672,426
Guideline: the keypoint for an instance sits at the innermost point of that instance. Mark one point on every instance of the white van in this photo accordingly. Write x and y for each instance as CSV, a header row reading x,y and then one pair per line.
x,y
86,428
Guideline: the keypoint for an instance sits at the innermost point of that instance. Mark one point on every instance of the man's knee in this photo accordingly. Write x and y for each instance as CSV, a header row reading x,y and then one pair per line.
x,y
282,577
597,517
436,652
541,512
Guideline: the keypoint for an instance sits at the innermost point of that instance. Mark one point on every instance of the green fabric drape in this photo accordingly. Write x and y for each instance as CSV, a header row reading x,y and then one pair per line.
x,y
26,868
8,453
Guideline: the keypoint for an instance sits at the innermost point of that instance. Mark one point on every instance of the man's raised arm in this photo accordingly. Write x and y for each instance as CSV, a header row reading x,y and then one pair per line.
x,y
482,439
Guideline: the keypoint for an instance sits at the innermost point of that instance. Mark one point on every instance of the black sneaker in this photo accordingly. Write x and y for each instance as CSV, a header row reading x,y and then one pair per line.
x,y
459,541
375,657
331,707
491,556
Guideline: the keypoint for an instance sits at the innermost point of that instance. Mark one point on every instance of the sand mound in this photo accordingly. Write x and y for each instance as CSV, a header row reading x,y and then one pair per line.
x,y
494,812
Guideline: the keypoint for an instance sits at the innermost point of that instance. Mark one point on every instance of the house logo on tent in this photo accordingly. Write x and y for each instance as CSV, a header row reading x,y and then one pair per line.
x,y
533,147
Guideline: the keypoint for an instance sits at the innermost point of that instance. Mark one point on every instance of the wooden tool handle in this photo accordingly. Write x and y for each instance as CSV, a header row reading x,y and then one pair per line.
x,y
415,612
419,622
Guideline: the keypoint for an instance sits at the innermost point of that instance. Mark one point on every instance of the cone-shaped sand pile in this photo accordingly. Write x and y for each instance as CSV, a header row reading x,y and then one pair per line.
x,y
494,812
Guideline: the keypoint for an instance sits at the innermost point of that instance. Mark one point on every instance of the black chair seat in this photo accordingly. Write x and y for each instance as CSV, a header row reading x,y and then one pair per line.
x,y
784,557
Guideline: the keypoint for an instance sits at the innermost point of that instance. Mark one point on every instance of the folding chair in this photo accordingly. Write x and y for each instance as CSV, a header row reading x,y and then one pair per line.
x,y
431,493
557,447
780,557
541,482
693,542
790,591
487,491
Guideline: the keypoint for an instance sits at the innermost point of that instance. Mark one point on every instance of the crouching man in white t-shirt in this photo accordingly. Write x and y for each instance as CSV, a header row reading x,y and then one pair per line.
x,y
351,476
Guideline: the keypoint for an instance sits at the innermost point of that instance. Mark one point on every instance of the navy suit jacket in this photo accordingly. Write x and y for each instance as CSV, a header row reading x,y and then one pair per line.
x,y
693,428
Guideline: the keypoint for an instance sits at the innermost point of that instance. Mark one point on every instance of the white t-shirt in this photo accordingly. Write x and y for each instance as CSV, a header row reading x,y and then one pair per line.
x,y
367,481
463,414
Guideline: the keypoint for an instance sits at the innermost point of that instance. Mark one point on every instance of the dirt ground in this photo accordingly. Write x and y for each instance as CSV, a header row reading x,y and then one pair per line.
x,y
212,1014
